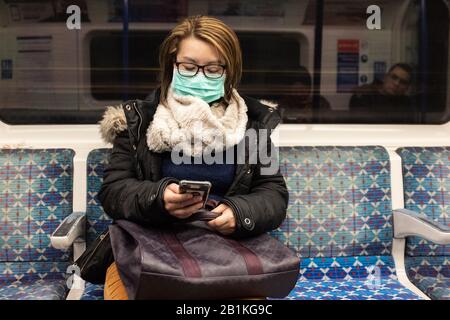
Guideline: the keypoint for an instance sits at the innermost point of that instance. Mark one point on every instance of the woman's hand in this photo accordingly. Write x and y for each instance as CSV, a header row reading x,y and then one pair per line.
x,y
226,222
180,205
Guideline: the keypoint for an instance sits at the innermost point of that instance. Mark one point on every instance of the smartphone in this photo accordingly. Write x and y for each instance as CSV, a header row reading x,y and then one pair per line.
x,y
198,188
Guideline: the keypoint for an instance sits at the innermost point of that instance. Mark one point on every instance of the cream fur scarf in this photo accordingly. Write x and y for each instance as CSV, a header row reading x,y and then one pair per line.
x,y
189,124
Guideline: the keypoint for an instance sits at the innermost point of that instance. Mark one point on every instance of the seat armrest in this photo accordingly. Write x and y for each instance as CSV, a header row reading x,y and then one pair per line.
x,y
71,228
410,223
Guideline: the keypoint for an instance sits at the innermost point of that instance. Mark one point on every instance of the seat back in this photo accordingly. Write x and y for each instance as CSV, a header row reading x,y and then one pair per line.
x,y
339,217
35,196
97,220
426,184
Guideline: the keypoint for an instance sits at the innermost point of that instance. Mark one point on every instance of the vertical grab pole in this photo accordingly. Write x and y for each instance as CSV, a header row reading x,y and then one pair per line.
x,y
423,59
125,51
318,30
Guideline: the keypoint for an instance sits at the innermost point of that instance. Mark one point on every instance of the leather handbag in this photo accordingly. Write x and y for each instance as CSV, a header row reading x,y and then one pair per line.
x,y
95,260
187,262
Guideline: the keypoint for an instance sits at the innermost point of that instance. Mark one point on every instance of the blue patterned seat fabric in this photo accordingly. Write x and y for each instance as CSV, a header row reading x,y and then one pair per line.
x,y
97,219
92,292
35,196
35,290
339,221
426,183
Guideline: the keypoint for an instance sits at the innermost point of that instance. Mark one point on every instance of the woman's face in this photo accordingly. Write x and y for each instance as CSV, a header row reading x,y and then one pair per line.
x,y
193,50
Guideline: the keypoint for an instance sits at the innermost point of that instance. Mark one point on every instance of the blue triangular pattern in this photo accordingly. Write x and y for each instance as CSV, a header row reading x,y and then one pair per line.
x,y
97,219
426,183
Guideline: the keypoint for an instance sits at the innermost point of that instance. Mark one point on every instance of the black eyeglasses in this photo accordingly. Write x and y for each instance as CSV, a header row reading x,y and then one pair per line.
x,y
211,71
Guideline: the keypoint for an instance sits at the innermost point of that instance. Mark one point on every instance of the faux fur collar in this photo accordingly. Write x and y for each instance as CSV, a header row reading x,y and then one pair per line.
x,y
114,120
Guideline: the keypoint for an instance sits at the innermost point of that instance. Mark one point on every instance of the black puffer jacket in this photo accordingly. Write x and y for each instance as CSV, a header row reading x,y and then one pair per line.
x,y
133,187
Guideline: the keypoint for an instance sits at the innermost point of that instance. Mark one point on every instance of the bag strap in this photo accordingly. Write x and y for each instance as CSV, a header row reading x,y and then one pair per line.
x,y
189,265
252,261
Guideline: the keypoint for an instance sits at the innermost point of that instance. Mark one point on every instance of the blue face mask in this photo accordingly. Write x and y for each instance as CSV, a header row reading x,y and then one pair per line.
x,y
208,90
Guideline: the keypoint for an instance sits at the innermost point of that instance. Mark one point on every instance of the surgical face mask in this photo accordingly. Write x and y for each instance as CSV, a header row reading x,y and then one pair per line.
x,y
208,90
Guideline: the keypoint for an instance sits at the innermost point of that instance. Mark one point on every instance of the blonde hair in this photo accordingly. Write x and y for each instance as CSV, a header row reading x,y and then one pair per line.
x,y
214,32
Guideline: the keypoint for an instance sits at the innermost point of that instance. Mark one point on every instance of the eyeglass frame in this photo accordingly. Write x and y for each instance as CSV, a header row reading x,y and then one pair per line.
x,y
177,64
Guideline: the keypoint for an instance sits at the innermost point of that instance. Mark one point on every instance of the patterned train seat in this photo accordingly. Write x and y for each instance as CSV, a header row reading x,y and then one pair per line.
x,y
426,184
35,196
339,221
97,220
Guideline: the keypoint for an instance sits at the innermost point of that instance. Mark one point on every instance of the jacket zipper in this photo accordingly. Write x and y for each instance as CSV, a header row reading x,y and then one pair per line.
x,y
140,121
139,170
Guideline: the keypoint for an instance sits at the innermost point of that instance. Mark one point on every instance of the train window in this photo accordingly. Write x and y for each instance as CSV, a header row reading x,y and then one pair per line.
x,y
271,62
394,70
106,72
264,75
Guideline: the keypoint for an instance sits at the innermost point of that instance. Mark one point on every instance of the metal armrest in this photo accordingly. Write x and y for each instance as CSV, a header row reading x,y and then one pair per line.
x,y
71,228
410,223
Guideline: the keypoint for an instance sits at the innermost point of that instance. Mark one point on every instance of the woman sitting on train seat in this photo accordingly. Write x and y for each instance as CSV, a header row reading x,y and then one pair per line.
x,y
201,65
